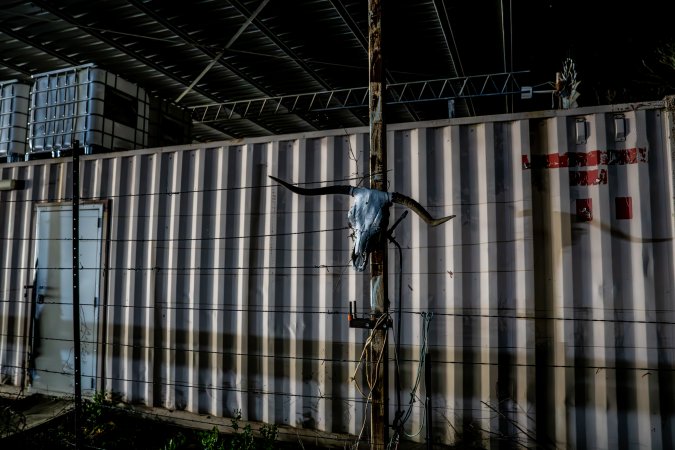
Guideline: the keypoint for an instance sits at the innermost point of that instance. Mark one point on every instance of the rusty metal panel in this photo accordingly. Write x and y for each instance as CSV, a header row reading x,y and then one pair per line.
x,y
547,300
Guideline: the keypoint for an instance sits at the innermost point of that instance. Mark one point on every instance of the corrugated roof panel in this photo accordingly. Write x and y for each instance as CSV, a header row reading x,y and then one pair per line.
x,y
333,52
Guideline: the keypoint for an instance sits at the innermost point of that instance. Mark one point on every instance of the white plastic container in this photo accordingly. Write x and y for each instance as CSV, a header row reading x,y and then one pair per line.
x,y
87,104
13,119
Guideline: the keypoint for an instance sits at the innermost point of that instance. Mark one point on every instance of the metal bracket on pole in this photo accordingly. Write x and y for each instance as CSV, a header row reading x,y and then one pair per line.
x,y
363,322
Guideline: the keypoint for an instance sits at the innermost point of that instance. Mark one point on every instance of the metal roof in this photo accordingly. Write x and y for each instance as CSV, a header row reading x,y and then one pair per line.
x,y
270,51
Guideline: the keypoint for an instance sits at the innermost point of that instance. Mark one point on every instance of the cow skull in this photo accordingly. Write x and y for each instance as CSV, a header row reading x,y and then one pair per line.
x,y
368,216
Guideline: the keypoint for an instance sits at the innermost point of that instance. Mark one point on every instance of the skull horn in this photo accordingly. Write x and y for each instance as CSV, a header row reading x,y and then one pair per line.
x,y
337,189
368,216
348,190
418,209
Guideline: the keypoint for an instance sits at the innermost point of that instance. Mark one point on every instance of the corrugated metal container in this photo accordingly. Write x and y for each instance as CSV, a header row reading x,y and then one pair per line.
x,y
13,119
98,108
546,304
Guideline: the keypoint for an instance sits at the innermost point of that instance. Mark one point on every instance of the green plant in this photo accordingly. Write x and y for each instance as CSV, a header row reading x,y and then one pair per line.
x,y
235,420
11,421
243,440
93,409
94,412
175,442
210,440
269,435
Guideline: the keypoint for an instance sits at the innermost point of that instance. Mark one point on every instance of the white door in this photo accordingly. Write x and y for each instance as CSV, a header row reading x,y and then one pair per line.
x,y
53,358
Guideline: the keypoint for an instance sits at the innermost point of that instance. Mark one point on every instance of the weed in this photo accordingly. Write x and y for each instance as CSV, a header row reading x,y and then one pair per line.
x,y
175,442
269,435
93,409
210,440
107,426
243,440
94,412
11,421
235,420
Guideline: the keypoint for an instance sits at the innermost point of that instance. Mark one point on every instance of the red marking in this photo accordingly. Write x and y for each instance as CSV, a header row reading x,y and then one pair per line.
x,y
584,210
555,161
552,161
588,177
564,160
628,156
591,158
588,159
631,156
624,207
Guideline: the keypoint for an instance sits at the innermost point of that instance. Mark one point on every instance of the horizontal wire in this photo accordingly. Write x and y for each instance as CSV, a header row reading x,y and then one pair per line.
x,y
85,198
347,401
203,351
544,318
190,239
162,382
208,351
312,358
186,270
495,363
148,194
190,270
340,310
290,233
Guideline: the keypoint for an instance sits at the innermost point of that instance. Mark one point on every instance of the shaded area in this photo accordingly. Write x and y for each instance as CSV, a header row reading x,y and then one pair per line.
x,y
20,416
42,422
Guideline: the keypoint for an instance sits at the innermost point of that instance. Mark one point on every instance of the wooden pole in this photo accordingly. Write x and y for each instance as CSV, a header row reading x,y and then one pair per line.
x,y
377,355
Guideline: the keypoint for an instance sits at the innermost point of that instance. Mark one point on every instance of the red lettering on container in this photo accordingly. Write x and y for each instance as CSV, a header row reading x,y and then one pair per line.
x,y
589,159
588,177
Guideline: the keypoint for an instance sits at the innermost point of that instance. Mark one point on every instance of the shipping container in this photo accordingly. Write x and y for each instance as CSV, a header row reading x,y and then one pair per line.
x,y
13,119
99,109
542,314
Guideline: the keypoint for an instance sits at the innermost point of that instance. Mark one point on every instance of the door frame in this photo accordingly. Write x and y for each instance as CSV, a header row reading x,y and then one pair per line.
x,y
102,305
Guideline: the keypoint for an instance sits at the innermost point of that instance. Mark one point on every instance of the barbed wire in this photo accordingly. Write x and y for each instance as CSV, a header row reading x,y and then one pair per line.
x,y
503,313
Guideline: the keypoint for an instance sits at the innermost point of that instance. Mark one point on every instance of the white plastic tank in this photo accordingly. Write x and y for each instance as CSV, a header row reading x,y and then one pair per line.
x,y
13,119
87,104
